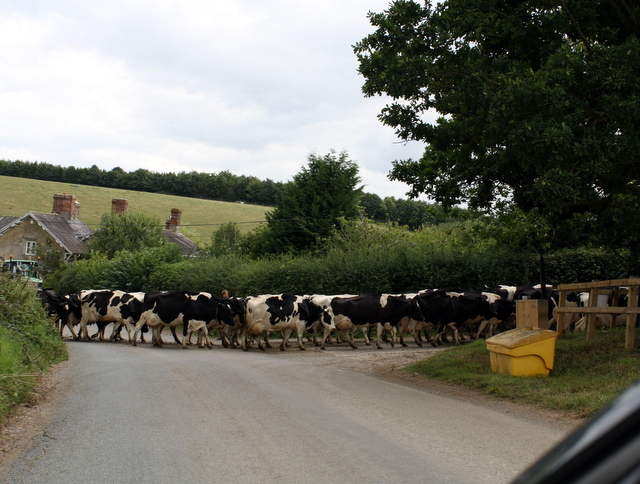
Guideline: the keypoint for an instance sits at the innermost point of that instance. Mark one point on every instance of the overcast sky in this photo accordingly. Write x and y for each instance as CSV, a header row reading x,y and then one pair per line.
x,y
249,86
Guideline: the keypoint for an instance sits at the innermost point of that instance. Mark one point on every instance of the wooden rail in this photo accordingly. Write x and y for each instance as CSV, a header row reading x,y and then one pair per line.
x,y
612,287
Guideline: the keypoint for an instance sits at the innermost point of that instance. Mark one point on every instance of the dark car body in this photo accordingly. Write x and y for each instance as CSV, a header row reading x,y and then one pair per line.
x,y
604,450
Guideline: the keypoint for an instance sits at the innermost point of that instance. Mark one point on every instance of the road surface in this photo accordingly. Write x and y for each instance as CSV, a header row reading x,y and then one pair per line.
x,y
127,414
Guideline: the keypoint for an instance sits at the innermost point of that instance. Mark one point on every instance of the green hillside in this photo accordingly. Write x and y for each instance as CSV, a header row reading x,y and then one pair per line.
x,y
200,218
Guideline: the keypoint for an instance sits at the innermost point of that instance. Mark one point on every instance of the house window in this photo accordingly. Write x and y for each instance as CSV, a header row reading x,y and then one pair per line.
x,y
30,247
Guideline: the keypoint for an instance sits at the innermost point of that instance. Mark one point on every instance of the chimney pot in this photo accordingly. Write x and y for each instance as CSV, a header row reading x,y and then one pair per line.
x,y
173,223
119,205
66,205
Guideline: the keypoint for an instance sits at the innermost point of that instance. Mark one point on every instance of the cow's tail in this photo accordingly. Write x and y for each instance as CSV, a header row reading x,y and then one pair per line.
x,y
185,326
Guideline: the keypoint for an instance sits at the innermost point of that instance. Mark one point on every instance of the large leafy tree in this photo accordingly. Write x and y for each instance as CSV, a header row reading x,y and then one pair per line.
x,y
538,104
128,231
310,207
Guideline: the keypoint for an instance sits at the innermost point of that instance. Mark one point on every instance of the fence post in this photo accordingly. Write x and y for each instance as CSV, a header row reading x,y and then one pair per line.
x,y
630,336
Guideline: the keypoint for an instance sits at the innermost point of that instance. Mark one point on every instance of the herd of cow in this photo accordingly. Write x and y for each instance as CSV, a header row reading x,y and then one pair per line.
x,y
241,321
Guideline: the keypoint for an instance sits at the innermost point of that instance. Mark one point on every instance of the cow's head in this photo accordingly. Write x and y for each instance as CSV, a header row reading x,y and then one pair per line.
x,y
73,309
224,313
327,318
238,308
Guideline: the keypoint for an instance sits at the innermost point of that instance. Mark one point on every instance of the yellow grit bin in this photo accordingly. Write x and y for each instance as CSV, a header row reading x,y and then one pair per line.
x,y
523,352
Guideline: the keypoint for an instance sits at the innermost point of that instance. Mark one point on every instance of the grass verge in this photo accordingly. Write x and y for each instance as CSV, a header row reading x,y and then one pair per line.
x,y
586,375
29,342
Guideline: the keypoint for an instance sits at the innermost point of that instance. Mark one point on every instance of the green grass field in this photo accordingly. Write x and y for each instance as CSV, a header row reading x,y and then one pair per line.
x,y
200,218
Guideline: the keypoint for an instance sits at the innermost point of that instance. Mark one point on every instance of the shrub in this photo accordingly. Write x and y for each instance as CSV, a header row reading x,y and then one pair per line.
x,y
29,342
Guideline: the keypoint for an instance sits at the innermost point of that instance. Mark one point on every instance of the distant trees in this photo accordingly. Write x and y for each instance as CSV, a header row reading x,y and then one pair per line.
x,y
222,186
413,214
212,186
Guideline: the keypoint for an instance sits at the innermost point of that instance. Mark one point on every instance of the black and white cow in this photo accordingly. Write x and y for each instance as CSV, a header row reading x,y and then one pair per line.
x,y
385,311
105,306
432,304
228,333
502,312
73,314
285,313
462,309
54,305
191,310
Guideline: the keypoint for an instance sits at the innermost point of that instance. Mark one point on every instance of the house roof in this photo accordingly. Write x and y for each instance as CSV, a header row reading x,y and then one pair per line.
x,y
187,245
70,235
6,220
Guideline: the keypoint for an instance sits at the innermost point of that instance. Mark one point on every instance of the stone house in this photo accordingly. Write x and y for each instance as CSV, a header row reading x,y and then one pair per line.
x,y
63,230
19,236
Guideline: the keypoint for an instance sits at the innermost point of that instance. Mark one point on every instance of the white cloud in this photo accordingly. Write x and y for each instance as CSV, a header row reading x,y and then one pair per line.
x,y
247,86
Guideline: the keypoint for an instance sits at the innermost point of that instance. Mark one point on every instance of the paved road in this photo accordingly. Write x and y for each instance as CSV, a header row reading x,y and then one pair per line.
x,y
148,415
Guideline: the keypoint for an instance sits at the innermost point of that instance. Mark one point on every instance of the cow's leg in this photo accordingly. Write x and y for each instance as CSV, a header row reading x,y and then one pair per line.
x,y
224,335
84,332
261,346
379,330
314,336
267,340
102,326
284,335
404,328
136,330
365,334
127,325
348,336
187,337
159,332
205,340
425,330
243,340
438,337
97,333
401,338
115,332
325,336
481,328
75,336
416,334
155,333
300,328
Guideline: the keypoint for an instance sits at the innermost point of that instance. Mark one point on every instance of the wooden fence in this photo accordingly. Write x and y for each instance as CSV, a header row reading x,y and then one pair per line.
x,y
614,288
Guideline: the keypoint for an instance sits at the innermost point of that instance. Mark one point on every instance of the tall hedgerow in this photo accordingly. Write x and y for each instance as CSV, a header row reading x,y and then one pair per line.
x,y
29,342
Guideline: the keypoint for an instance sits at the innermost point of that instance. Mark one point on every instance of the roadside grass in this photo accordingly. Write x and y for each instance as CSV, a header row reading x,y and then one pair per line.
x,y
586,375
29,342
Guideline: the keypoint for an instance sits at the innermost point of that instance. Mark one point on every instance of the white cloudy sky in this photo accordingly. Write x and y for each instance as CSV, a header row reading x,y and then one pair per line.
x,y
249,86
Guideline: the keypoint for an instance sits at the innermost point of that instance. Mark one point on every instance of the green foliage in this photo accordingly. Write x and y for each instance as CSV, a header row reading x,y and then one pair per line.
x,y
538,105
309,208
227,240
128,231
127,271
357,257
81,274
131,271
29,342
51,258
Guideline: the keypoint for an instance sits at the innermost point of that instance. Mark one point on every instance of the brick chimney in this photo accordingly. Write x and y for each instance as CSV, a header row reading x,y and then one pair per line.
x,y
173,224
67,205
119,205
